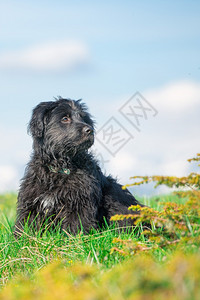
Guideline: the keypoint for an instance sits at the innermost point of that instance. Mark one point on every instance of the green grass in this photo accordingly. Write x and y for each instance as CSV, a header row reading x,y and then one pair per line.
x,y
103,249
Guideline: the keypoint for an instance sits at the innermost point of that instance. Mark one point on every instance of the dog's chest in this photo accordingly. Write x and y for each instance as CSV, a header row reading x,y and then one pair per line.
x,y
48,203
71,193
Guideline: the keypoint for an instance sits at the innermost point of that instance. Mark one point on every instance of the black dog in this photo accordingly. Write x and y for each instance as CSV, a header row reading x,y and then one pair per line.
x,y
63,182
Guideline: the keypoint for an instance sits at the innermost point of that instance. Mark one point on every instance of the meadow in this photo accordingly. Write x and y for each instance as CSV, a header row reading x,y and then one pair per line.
x,y
157,259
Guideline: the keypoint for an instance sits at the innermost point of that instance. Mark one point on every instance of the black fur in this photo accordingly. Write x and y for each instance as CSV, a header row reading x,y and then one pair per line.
x,y
62,132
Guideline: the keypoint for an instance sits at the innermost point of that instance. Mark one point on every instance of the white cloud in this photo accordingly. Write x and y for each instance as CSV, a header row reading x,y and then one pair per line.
x,y
177,96
123,164
177,167
15,146
55,56
9,178
14,154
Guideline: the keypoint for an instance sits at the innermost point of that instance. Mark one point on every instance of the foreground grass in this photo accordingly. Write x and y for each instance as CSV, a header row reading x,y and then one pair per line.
x,y
101,263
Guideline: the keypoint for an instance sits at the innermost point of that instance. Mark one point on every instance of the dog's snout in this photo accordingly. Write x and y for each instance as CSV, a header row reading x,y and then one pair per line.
x,y
87,130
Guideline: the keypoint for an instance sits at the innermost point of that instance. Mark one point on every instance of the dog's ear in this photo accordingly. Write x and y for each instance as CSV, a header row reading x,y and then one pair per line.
x,y
38,120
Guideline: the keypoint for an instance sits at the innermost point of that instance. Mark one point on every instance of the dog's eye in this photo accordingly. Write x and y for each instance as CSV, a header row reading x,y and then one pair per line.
x,y
66,119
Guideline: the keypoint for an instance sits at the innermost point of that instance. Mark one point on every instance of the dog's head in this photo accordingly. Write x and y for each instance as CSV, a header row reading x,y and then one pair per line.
x,y
62,126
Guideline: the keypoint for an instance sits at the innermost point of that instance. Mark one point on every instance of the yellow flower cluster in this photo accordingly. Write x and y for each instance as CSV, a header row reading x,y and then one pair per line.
x,y
139,278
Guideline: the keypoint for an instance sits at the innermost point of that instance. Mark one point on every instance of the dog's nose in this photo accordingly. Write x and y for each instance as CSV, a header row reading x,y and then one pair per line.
x,y
87,130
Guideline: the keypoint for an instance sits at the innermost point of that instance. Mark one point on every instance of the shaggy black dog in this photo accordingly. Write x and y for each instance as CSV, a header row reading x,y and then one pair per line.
x,y
63,182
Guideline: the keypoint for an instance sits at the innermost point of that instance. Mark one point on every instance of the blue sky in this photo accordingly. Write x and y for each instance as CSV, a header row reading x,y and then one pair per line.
x,y
110,50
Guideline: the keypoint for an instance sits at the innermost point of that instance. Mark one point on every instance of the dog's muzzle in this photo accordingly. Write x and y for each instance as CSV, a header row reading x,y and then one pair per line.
x,y
88,130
